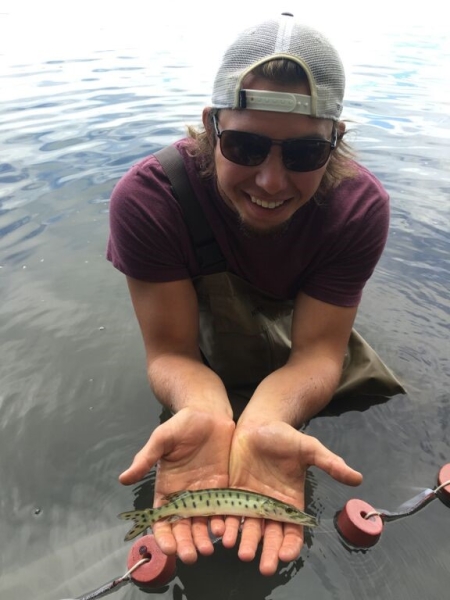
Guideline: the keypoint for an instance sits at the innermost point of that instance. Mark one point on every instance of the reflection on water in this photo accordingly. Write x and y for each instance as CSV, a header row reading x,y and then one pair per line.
x,y
74,402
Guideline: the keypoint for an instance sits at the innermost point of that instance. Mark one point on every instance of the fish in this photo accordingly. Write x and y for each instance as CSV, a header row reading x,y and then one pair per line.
x,y
216,501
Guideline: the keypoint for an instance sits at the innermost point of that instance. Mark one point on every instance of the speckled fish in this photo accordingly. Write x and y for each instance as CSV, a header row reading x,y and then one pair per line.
x,y
216,501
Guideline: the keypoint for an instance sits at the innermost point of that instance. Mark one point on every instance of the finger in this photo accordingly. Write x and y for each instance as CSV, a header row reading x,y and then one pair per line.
x,y
146,458
162,531
272,543
200,536
185,546
319,456
292,542
217,525
135,472
338,469
232,526
250,538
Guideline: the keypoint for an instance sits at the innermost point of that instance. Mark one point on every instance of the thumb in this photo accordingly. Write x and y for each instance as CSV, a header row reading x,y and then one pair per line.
x,y
333,464
145,459
135,472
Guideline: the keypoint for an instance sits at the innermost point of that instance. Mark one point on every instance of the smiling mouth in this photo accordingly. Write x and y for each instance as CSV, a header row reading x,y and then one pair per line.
x,y
265,204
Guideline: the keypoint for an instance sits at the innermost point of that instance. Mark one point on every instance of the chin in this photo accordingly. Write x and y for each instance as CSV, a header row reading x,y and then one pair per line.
x,y
269,231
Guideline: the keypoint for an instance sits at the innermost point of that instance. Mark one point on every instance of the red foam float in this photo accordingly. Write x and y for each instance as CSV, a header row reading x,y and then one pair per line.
x,y
158,570
443,477
355,528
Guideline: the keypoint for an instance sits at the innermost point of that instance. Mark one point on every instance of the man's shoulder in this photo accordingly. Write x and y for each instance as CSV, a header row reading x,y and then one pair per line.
x,y
352,204
364,184
146,184
149,169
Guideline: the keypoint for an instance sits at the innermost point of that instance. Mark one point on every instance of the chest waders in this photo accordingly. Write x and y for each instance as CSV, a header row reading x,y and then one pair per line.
x,y
245,333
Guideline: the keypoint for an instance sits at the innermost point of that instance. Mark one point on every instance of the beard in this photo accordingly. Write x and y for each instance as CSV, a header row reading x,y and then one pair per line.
x,y
272,233
251,232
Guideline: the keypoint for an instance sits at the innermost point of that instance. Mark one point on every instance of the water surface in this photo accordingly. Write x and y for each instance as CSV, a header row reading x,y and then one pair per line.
x,y
74,401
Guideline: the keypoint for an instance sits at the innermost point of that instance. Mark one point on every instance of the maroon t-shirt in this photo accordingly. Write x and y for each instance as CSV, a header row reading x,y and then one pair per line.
x,y
328,250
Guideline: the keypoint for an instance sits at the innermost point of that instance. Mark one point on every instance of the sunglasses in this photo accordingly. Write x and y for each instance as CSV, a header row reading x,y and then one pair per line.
x,y
251,149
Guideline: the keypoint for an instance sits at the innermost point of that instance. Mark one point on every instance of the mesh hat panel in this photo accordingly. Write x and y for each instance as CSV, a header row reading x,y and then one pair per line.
x,y
283,38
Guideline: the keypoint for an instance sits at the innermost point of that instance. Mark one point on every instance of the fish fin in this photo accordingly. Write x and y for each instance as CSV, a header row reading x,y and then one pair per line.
x,y
128,516
174,518
175,495
141,522
134,532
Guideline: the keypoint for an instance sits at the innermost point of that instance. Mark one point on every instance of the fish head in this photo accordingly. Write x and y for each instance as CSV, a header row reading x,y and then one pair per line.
x,y
288,513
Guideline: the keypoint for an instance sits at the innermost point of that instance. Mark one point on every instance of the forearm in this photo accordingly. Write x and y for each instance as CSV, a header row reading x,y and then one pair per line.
x,y
294,393
179,381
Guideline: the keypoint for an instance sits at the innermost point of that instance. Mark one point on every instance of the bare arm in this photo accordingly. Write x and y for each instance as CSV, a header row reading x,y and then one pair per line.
x,y
168,317
192,448
268,454
305,385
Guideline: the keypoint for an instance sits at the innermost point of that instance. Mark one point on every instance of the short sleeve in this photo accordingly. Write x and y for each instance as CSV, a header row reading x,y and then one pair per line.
x,y
148,238
352,250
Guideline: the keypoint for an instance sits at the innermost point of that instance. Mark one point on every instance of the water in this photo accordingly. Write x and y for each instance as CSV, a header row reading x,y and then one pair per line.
x,y
81,100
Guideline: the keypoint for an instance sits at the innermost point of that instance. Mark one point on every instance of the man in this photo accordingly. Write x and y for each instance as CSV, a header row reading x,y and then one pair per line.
x,y
245,350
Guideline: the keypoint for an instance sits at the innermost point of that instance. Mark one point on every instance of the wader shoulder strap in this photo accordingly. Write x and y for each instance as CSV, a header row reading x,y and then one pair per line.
x,y
206,247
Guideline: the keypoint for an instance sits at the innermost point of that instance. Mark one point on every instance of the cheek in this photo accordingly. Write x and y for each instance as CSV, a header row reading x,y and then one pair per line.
x,y
228,174
221,166
309,182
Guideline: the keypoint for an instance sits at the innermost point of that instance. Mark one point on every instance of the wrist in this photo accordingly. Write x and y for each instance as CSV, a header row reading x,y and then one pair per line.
x,y
263,410
218,411
287,396
180,382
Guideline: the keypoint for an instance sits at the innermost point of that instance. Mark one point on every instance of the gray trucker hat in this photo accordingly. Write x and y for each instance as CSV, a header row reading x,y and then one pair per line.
x,y
283,37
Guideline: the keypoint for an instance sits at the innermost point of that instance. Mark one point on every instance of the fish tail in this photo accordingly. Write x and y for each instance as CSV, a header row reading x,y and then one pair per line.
x,y
142,521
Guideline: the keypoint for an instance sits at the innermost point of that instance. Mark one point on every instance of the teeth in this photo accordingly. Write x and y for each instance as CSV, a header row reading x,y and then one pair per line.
x,y
265,204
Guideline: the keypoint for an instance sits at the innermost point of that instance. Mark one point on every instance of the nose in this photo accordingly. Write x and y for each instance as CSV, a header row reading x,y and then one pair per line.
x,y
272,175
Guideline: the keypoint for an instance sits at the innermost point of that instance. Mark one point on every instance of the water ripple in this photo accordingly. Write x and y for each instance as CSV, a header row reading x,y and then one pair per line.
x,y
74,401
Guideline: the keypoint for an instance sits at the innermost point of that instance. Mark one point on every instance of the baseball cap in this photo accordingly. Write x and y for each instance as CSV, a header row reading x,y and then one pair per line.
x,y
282,37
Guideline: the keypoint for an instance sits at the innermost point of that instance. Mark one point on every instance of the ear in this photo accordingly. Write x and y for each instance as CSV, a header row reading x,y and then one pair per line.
x,y
208,125
206,118
340,129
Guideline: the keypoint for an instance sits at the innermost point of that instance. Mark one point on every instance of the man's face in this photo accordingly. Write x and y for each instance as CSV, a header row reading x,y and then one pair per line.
x,y
266,196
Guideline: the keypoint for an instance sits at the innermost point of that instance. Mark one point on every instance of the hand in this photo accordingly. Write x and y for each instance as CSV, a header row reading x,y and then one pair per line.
x,y
272,459
192,451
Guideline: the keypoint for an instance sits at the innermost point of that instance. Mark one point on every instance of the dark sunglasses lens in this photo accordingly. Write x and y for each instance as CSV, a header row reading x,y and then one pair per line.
x,y
305,155
244,148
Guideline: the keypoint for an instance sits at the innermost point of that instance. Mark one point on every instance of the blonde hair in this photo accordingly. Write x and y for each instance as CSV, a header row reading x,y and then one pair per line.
x,y
282,71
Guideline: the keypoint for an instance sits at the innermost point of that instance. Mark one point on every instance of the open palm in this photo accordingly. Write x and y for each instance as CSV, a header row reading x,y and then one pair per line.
x,y
272,459
191,451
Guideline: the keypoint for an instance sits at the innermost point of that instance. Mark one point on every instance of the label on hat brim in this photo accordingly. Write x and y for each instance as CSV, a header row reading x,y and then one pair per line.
x,y
275,101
